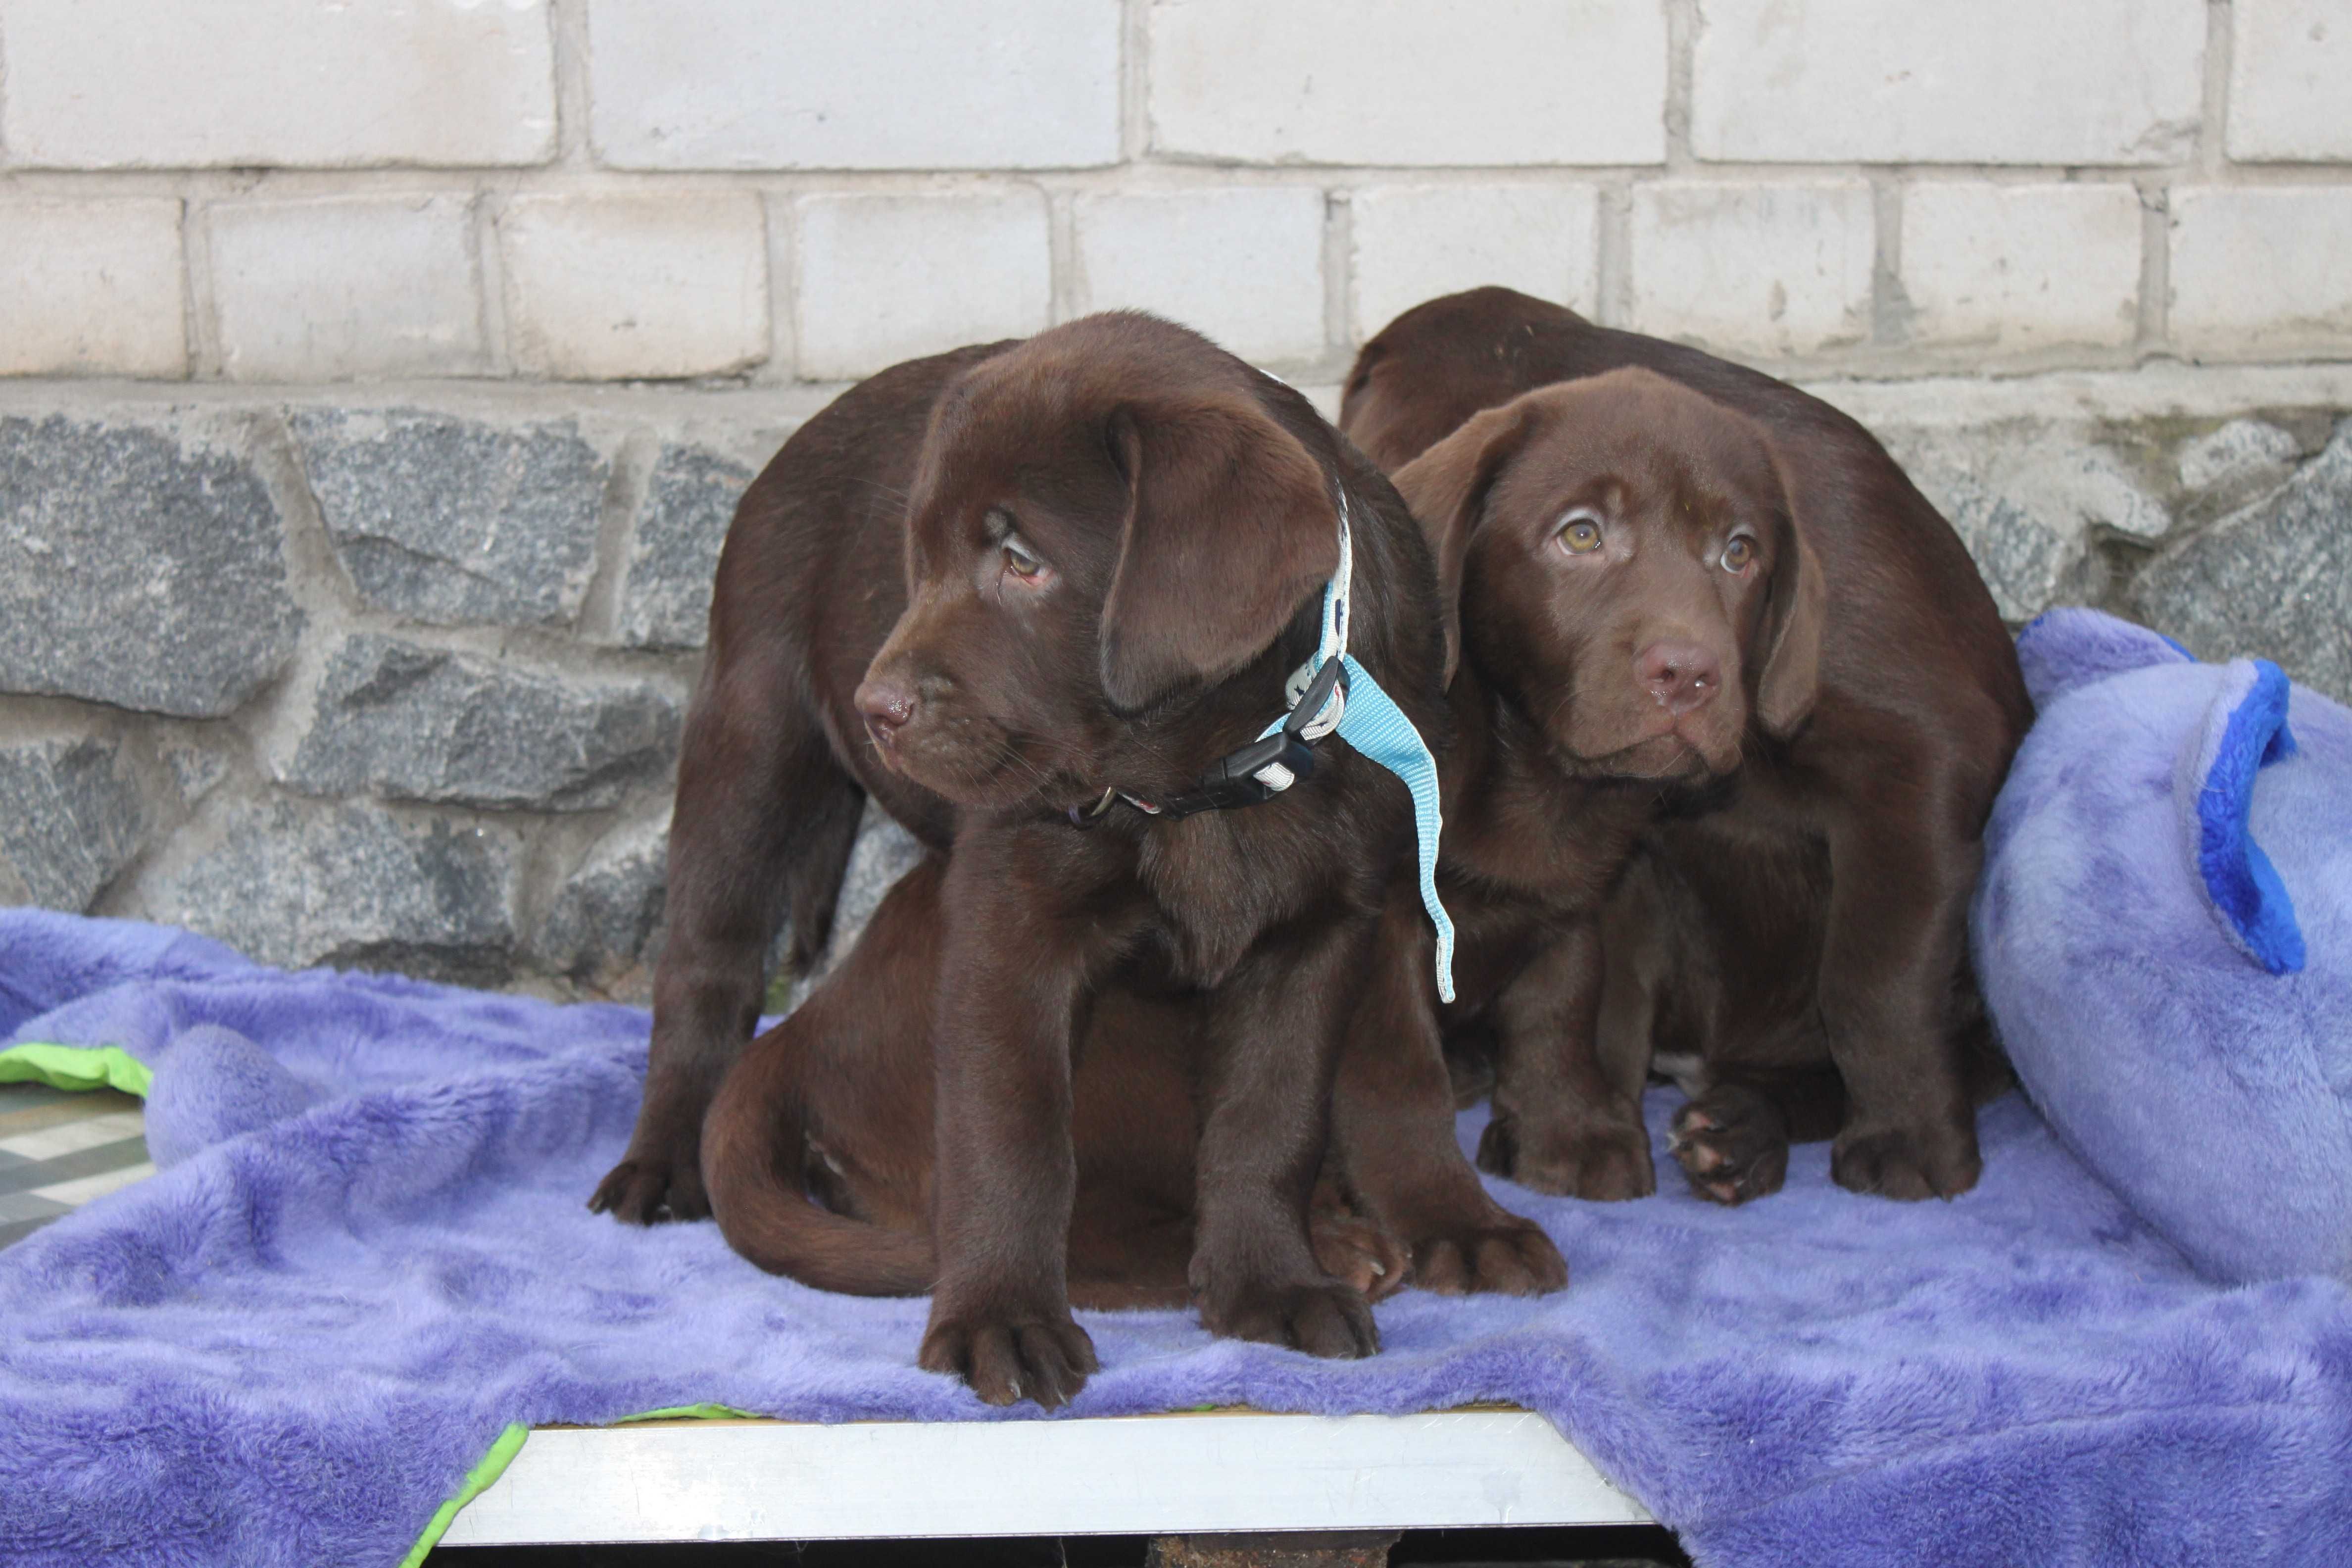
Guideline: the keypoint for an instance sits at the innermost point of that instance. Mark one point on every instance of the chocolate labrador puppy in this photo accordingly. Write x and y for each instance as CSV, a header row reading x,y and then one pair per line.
x,y
1793,947
817,1148
1624,584
1021,594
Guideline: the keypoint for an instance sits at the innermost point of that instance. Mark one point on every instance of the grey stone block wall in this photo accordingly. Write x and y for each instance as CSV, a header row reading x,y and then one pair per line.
x,y
395,680
2233,535
360,678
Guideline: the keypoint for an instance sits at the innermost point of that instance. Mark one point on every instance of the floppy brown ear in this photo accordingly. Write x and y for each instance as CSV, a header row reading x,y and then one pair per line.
x,y
1791,677
1230,524
1446,488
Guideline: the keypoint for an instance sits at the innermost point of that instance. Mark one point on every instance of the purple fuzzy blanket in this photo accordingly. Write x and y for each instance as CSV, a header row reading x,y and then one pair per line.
x,y
367,1256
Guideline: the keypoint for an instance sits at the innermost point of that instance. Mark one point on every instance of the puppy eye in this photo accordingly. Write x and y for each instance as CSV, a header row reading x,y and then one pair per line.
x,y
1581,534
1738,553
1022,562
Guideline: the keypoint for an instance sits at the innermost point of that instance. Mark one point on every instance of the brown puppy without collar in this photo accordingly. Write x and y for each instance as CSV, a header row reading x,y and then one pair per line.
x,y
1625,582
817,1148
1796,953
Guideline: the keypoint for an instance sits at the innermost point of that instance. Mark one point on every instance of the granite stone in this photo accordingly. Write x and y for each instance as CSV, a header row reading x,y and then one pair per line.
x,y
354,886
2029,500
71,817
2273,581
690,501
141,566
401,722
603,928
453,520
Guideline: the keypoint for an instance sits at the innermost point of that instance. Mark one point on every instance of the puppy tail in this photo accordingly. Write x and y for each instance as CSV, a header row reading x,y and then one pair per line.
x,y
755,1154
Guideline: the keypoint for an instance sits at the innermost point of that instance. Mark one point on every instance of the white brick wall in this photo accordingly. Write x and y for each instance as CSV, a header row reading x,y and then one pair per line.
x,y
1412,243
2021,267
1756,268
154,84
344,288
91,288
610,287
1244,266
884,278
2291,81
821,84
1410,82
2258,273
771,191
1983,81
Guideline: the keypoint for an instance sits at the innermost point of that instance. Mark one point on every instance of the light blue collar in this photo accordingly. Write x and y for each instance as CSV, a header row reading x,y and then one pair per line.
x,y
1369,720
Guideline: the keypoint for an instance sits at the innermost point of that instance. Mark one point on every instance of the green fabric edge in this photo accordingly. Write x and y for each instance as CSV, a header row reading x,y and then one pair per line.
x,y
493,1466
691,1413
510,1441
76,1068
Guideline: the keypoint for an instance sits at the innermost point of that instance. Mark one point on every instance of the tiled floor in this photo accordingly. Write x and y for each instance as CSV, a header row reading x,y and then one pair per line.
x,y
59,1150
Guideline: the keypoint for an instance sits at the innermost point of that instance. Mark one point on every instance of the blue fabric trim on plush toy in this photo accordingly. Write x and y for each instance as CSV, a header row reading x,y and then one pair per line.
x,y
2239,738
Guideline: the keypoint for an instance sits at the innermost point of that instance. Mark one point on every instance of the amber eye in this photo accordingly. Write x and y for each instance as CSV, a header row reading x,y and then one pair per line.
x,y
1581,534
1021,562
1738,553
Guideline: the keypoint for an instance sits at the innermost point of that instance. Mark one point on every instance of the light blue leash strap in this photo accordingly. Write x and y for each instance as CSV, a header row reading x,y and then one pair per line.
x,y
1369,720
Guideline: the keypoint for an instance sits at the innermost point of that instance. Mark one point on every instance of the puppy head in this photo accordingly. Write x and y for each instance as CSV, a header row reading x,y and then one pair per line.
x,y
1619,556
1106,524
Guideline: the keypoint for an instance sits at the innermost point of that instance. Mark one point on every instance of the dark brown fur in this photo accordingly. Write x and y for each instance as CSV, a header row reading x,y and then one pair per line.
x,y
1028,572
1791,943
817,1148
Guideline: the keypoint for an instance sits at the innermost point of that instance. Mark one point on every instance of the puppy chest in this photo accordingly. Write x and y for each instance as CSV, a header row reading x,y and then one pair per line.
x,y
1221,885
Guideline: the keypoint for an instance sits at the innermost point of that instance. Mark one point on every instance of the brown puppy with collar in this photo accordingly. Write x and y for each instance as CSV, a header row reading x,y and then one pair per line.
x,y
1793,944
985,588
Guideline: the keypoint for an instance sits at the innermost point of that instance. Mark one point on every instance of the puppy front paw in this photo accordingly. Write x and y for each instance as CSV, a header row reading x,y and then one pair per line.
x,y
1604,1161
1359,1252
1732,1144
1008,1355
1506,1257
1906,1163
1323,1318
644,1188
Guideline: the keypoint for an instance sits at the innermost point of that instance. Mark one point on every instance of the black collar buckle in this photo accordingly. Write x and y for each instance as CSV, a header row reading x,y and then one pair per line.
x,y
1234,779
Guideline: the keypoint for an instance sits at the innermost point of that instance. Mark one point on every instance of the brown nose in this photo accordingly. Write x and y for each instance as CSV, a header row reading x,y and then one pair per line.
x,y
1682,676
887,705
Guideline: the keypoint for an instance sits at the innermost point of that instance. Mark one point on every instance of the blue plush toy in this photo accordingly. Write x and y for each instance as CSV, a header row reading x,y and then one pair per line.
x,y
2164,934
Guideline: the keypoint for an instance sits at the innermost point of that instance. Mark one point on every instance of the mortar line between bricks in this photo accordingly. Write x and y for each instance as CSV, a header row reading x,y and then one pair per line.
x,y
2154,267
206,360
192,332
780,229
1134,82
1684,23
1890,302
2210,156
1612,265
1062,256
490,283
573,86
206,190
1339,275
